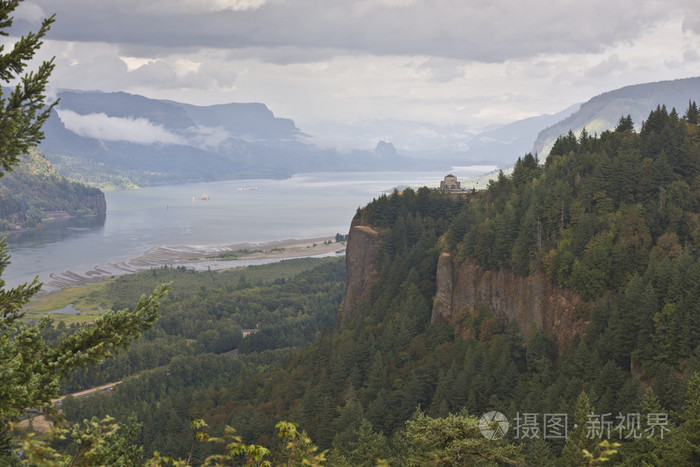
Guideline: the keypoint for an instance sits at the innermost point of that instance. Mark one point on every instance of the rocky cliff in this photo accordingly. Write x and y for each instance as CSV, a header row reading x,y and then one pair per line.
x,y
533,299
461,286
94,200
361,257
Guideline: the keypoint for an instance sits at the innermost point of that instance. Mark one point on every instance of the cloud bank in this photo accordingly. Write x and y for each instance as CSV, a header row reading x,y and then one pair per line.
x,y
334,66
105,128
485,31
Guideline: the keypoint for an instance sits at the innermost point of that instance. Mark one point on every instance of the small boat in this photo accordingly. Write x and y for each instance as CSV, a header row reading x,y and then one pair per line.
x,y
205,197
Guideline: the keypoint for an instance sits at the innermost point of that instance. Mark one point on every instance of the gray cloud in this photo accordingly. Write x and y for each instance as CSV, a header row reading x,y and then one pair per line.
x,y
610,65
335,65
207,137
484,31
691,19
691,55
29,12
103,127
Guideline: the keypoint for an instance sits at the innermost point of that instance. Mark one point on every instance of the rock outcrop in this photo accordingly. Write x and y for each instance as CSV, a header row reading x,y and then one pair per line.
x,y
462,285
533,299
93,200
361,257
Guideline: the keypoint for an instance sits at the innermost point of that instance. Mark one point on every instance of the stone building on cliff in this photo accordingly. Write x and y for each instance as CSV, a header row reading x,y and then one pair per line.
x,y
450,183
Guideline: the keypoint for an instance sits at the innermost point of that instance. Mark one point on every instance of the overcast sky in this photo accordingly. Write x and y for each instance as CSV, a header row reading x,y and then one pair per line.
x,y
351,72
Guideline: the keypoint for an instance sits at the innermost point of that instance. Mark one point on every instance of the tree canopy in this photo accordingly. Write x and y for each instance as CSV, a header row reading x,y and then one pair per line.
x,y
24,111
31,368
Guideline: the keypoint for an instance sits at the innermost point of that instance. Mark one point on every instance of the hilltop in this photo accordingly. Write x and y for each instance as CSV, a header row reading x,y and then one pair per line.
x,y
34,192
603,112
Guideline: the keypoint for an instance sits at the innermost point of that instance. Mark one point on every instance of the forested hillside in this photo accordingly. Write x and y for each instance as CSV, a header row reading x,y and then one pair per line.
x,y
612,218
35,191
602,112
183,362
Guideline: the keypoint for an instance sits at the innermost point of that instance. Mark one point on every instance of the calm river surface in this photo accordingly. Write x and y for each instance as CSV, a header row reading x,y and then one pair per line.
x,y
238,211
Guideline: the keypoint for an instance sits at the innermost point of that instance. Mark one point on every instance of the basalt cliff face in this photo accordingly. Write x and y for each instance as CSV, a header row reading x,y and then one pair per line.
x,y
94,200
361,256
462,286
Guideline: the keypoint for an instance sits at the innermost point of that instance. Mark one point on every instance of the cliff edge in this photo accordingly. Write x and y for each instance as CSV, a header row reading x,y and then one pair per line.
x,y
361,257
462,285
532,299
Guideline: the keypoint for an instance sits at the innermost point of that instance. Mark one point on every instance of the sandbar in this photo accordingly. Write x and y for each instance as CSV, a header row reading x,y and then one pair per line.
x,y
199,257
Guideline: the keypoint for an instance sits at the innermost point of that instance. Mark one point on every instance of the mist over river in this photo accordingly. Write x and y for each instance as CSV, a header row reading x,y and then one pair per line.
x,y
176,216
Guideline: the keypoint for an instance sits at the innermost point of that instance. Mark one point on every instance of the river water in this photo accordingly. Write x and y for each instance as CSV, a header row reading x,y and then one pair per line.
x,y
237,212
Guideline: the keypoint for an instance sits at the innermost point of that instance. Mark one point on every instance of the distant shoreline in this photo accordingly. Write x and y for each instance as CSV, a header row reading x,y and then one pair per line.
x,y
199,257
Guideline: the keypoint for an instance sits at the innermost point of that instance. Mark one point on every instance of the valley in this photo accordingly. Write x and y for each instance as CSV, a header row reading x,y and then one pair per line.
x,y
561,289
466,280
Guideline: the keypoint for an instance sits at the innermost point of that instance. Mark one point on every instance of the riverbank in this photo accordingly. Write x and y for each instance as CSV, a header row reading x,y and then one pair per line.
x,y
198,257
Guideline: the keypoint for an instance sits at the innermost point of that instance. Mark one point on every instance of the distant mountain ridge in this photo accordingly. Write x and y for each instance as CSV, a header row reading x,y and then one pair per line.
x,y
499,146
238,119
120,140
502,146
603,112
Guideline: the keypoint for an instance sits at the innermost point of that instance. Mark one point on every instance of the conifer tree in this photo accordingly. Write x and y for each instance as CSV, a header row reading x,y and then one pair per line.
x,y
685,442
692,115
23,111
579,438
368,447
453,440
625,124
30,368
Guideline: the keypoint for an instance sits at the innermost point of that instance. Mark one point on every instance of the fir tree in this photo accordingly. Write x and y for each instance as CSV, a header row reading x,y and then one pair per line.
x,y
625,124
579,438
23,111
692,115
685,441
31,368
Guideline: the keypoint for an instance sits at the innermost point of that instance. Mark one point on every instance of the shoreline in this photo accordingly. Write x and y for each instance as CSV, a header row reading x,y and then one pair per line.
x,y
198,257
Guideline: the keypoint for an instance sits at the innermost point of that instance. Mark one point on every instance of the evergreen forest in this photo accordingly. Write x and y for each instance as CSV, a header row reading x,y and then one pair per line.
x,y
35,191
613,217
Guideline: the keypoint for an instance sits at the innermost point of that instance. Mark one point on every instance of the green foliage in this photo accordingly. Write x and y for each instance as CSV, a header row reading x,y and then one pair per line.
x,y
685,441
614,218
692,115
579,443
606,450
103,442
34,190
33,368
95,442
23,111
453,440
366,448
625,124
